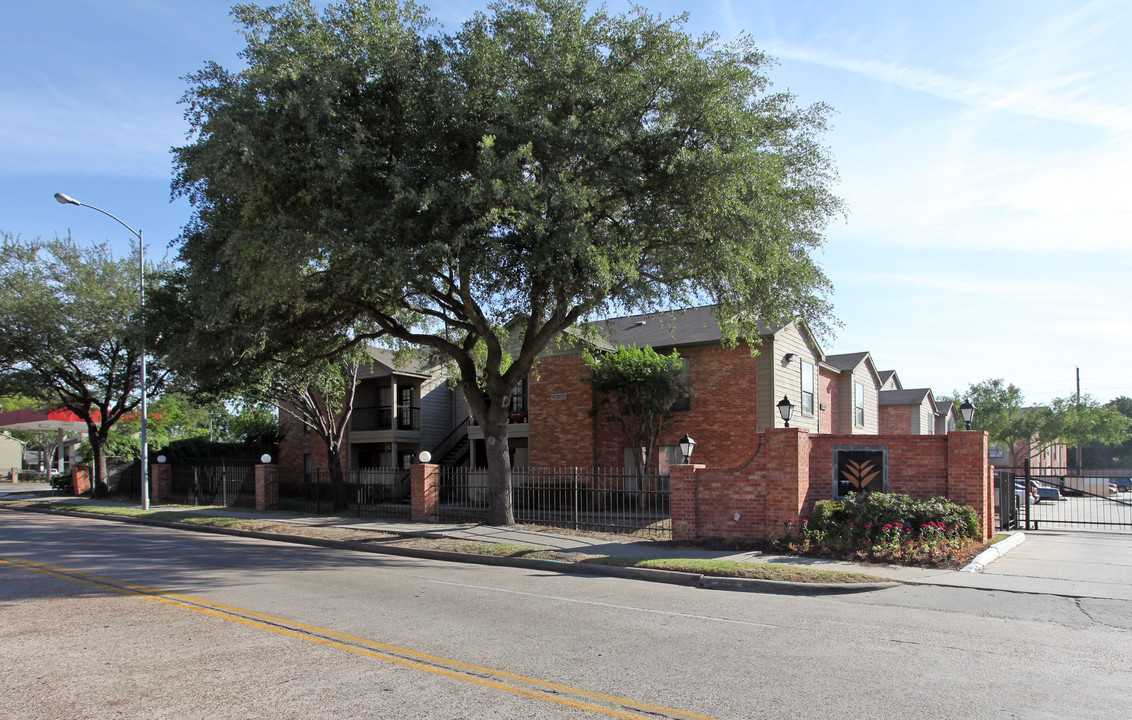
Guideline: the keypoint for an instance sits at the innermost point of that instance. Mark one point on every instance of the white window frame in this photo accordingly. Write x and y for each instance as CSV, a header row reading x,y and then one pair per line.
x,y
859,404
810,394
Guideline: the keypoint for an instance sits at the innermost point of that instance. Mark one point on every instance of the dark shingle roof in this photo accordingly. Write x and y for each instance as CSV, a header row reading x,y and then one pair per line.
x,y
888,398
666,329
846,361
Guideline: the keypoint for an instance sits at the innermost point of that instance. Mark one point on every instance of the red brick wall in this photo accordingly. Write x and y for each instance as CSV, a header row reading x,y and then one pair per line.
x,y
298,442
895,420
827,395
722,417
794,469
562,431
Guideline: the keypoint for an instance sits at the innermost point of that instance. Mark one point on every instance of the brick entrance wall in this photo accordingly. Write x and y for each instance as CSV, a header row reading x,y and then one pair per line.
x,y
791,470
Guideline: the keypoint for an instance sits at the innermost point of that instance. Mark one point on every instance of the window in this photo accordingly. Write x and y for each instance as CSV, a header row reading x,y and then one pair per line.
x,y
519,396
807,388
684,403
859,404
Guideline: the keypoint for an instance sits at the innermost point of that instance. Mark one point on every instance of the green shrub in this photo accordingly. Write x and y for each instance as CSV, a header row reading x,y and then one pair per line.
x,y
886,527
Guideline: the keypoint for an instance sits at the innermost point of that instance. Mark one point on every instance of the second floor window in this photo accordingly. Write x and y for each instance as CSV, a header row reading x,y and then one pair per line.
x,y
807,388
859,404
684,403
519,396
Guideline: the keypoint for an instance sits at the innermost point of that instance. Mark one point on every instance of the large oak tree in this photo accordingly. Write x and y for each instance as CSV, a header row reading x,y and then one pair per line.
x,y
543,163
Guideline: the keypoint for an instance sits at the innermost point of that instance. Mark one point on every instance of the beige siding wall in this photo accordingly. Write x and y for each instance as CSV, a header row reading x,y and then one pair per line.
x,y
788,379
925,418
848,422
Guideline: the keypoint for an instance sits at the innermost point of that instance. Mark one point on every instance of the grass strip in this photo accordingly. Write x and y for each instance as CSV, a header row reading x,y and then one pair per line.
x,y
715,568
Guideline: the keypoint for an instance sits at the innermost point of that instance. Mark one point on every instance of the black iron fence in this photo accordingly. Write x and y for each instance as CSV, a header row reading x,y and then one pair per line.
x,y
1061,497
366,492
227,484
590,499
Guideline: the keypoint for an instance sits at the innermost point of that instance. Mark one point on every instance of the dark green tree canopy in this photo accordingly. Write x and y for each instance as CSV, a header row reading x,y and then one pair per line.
x,y
542,162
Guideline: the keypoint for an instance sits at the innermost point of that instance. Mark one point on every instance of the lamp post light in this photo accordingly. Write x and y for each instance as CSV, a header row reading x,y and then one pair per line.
x,y
68,200
687,444
967,410
785,409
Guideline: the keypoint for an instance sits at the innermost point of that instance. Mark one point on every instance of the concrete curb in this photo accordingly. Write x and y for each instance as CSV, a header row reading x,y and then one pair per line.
x,y
994,552
670,577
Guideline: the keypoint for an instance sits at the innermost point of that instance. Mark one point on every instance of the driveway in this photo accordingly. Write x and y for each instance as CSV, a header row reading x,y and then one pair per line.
x,y
1080,564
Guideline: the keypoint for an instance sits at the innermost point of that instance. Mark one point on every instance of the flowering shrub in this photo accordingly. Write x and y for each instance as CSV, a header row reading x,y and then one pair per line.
x,y
885,527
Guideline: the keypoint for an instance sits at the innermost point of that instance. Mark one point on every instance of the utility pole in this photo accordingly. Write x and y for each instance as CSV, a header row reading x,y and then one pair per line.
x,y
1078,411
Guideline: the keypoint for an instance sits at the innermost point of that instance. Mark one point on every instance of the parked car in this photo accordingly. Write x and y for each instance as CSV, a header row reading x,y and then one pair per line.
x,y
1020,492
1047,492
1122,484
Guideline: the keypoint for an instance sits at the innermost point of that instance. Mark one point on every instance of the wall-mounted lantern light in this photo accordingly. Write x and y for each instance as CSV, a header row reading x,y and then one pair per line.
x,y
967,410
687,444
788,357
785,409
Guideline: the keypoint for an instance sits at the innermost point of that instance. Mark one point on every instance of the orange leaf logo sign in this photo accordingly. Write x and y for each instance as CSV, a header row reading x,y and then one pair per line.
x,y
860,474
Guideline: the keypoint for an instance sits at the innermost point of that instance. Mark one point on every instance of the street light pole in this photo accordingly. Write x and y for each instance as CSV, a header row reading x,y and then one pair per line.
x,y
67,200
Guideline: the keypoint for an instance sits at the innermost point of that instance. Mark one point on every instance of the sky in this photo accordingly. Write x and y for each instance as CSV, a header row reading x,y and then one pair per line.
x,y
984,153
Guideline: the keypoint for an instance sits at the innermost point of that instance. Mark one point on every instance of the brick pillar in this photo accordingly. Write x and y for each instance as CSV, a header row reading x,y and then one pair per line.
x,y
682,500
266,488
787,480
80,479
161,480
425,484
968,477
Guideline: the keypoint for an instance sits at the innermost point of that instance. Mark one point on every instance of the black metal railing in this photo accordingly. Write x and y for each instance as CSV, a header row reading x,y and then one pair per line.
x,y
381,417
366,492
227,485
1062,497
600,500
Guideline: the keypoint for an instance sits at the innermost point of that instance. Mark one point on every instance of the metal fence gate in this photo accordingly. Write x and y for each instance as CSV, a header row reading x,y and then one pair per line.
x,y
365,492
590,499
1064,498
227,484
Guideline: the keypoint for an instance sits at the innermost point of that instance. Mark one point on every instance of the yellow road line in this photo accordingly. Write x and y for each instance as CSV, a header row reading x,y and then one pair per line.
x,y
268,622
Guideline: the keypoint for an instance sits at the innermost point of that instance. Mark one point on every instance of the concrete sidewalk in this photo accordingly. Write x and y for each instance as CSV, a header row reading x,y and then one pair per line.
x,y
594,544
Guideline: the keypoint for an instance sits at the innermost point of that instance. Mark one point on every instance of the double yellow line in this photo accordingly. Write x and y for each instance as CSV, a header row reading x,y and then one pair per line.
x,y
612,705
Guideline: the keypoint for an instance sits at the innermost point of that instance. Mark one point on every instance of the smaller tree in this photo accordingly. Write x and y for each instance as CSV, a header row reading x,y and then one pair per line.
x,y
637,388
71,334
1028,431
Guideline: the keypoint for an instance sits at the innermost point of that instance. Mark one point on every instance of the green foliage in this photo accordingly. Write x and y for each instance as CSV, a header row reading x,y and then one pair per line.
x,y
72,333
637,388
258,426
540,165
1025,431
887,527
1112,455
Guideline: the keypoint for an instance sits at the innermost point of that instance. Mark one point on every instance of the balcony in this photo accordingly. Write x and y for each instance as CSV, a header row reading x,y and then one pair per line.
x,y
380,417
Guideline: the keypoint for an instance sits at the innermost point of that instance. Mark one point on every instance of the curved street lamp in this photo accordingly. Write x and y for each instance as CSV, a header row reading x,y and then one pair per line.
x,y
68,200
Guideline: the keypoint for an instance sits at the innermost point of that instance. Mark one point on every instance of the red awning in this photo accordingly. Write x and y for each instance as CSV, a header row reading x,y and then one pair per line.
x,y
31,419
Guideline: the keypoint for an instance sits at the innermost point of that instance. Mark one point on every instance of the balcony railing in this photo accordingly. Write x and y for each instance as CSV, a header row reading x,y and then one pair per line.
x,y
371,419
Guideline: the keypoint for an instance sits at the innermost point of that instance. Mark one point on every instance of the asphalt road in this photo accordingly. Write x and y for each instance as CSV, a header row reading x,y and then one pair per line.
x,y
107,620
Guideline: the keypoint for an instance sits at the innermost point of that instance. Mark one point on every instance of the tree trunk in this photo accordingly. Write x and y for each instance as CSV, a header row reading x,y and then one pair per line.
x,y
100,488
337,477
498,470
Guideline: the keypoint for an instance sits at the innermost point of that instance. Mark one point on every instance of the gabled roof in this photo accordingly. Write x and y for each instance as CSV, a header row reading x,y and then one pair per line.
x,y
411,365
889,398
665,329
848,362
886,375
944,407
